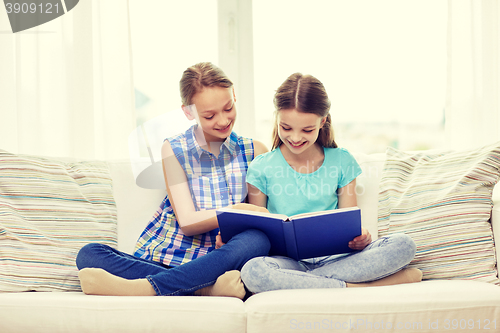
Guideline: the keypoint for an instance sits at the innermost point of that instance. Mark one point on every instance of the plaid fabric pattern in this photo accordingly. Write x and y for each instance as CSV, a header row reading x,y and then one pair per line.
x,y
214,182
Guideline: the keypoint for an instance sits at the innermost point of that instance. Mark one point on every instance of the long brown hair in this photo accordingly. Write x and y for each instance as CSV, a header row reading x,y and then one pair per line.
x,y
305,93
196,77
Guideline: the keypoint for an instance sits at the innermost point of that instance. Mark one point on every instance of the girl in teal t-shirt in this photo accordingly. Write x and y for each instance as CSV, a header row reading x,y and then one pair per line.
x,y
307,172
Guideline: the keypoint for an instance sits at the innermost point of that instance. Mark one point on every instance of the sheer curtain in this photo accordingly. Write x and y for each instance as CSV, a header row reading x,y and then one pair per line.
x,y
472,108
66,86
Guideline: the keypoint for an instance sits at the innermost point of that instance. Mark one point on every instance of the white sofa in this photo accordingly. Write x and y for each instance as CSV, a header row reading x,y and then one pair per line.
x,y
434,305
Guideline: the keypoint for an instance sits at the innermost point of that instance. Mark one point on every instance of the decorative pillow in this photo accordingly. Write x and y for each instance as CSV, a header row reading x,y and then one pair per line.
x,y
49,209
443,201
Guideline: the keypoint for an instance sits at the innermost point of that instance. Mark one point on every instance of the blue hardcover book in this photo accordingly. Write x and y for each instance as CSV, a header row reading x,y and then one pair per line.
x,y
300,236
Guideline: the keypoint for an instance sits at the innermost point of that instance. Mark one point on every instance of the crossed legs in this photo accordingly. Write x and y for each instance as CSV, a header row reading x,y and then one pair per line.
x,y
106,271
382,262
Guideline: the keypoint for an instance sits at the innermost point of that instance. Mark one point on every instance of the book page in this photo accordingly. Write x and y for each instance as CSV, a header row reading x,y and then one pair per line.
x,y
325,212
254,213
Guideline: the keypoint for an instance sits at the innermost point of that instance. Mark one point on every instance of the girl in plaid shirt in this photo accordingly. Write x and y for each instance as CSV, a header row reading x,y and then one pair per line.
x,y
205,169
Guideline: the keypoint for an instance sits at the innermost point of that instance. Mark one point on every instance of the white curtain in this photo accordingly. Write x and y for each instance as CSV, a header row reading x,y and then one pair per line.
x,y
472,108
66,86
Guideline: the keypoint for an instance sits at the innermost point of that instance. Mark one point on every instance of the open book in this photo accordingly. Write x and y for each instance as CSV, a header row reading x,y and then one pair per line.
x,y
300,236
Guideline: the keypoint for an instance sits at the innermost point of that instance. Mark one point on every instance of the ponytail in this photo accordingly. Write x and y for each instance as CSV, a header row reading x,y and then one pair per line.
x,y
326,136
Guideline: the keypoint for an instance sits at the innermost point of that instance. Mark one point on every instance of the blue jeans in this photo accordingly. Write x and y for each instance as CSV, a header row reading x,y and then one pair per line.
x,y
381,258
179,280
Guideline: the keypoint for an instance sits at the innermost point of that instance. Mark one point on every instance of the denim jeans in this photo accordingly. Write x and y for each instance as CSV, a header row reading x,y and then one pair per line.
x,y
179,280
381,258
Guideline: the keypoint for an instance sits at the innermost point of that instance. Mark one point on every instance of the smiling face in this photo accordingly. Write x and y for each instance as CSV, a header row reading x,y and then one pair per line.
x,y
298,130
216,112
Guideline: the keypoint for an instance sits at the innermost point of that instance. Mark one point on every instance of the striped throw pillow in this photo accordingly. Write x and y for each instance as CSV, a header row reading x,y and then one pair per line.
x,y
49,209
443,201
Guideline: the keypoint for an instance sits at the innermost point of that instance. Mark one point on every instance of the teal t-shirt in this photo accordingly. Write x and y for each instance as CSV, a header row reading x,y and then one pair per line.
x,y
290,192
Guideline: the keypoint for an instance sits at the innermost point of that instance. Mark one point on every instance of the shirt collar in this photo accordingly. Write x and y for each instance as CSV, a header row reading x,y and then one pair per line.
x,y
230,144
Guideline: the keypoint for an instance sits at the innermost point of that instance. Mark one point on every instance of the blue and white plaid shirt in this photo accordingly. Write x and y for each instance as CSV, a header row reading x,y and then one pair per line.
x,y
214,182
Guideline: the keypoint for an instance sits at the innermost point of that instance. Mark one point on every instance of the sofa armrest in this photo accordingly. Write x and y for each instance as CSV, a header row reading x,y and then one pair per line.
x,y
495,223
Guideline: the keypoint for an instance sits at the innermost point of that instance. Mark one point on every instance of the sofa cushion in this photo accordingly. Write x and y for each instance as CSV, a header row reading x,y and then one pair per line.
x,y
429,306
135,205
76,312
49,209
443,201
367,188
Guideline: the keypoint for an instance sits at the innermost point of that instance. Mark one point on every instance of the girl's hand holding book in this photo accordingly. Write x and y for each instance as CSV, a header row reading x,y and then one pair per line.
x,y
218,241
242,206
360,242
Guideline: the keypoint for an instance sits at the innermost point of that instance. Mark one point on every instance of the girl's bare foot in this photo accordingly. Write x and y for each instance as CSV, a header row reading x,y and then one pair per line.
x,y
228,284
96,281
407,275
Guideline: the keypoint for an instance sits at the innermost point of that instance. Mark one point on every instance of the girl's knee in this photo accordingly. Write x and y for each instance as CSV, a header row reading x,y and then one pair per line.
x,y
86,254
253,273
406,245
246,270
257,240
260,268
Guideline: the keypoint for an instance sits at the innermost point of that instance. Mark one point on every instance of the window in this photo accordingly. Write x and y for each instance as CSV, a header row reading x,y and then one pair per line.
x,y
383,64
167,37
